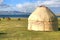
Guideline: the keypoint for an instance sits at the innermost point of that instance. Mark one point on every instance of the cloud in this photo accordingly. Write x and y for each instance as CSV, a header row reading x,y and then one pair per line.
x,y
52,3
1,1
26,7
19,5
29,6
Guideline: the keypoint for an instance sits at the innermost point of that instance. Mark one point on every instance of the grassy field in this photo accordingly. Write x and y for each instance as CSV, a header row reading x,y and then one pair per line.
x,y
17,30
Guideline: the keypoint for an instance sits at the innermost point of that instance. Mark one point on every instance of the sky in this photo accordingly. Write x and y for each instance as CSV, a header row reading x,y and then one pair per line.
x,y
31,5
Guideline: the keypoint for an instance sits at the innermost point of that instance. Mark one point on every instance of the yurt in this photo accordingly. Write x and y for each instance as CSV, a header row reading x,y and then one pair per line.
x,y
42,19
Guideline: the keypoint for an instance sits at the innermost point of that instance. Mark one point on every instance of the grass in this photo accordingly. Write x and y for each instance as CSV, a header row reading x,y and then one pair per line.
x,y
17,30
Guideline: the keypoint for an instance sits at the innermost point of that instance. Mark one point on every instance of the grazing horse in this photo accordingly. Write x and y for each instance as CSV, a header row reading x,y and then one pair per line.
x,y
8,18
3,17
0,19
19,19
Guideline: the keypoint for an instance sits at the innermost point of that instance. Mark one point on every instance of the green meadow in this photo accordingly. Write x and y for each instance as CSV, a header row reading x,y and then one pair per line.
x,y
15,29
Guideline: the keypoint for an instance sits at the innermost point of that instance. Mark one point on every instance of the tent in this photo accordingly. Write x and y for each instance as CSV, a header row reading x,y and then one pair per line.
x,y
42,19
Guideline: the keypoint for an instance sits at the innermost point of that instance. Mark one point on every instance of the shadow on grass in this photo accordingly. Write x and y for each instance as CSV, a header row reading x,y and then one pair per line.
x,y
2,33
58,29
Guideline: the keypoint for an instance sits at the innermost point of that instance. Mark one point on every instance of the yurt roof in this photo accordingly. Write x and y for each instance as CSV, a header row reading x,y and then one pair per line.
x,y
42,13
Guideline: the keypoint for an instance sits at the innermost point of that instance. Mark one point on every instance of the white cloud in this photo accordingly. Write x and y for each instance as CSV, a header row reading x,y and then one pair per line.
x,y
52,3
26,7
29,7
19,5
1,1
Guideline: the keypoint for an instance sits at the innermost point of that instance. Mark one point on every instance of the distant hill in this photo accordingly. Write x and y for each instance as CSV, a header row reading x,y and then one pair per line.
x,y
13,13
10,10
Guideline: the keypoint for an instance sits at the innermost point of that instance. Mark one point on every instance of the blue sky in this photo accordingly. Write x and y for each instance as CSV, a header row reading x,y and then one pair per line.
x,y
14,2
30,5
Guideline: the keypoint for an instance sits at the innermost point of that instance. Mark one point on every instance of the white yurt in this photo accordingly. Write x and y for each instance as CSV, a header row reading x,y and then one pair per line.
x,y
42,19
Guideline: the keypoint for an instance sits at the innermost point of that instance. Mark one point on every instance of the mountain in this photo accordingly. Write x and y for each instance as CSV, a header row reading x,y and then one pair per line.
x,y
13,13
10,10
